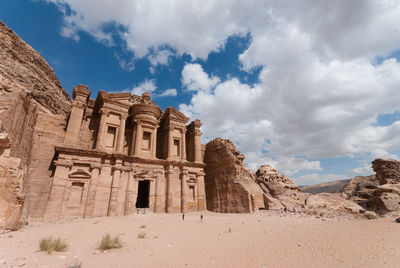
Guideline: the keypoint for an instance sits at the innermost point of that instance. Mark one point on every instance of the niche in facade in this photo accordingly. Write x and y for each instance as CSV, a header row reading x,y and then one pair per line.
x,y
176,149
146,142
109,139
75,196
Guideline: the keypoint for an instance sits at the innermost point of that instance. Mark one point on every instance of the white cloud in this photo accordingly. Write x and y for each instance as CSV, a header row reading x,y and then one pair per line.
x,y
160,57
147,85
321,87
171,92
195,79
69,33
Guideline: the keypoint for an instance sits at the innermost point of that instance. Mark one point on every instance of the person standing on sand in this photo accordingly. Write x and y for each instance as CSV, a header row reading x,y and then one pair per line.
x,y
183,216
201,218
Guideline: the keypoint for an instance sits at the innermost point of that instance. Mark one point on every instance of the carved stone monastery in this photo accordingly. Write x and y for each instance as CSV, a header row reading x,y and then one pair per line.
x,y
105,156
123,152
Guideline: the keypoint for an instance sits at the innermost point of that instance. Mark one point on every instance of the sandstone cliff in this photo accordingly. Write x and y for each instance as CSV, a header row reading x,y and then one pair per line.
x,y
230,186
33,111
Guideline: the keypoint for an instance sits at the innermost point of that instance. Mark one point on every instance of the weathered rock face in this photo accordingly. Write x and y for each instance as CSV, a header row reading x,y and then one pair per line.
x,y
33,111
230,186
387,171
361,189
380,192
280,187
21,67
11,179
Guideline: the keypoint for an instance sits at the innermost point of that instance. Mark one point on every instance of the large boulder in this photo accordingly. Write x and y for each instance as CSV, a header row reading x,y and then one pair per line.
x,y
387,170
281,188
361,189
230,186
379,193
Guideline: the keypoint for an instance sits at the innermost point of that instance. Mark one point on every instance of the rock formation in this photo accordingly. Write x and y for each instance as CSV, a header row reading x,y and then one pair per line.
x,y
361,189
387,195
11,179
33,110
380,192
280,187
387,171
288,195
230,186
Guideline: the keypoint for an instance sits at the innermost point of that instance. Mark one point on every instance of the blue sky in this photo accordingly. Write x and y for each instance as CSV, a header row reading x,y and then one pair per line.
x,y
311,88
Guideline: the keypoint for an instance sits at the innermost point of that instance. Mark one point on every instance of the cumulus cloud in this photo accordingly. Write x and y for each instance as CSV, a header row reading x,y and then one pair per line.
x,y
147,85
171,92
323,81
195,79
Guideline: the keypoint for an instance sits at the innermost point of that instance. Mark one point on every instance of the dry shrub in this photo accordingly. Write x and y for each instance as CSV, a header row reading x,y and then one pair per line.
x,y
78,265
48,245
108,242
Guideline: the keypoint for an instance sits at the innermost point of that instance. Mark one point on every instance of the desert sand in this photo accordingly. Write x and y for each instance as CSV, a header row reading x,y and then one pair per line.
x,y
263,239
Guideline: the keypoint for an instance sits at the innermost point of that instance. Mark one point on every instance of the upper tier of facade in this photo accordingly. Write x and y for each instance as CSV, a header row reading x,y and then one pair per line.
x,y
122,123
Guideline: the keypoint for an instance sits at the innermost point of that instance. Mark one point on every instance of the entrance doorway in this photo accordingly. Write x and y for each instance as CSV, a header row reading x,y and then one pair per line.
x,y
142,200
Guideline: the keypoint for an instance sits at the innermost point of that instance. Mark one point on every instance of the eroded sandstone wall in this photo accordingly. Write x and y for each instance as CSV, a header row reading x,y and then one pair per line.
x,y
230,186
33,111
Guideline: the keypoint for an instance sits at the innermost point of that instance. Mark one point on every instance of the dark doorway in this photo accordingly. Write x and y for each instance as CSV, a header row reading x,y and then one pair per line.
x,y
142,200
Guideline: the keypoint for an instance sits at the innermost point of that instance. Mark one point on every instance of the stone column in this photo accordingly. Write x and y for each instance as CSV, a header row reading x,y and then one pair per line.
x,y
169,174
197,146
59,184
89,207
154,143
103,115
133,139
112,208
138,140
183,146
121,134
201,196
183,190
74,123
129,200
170,141
157,199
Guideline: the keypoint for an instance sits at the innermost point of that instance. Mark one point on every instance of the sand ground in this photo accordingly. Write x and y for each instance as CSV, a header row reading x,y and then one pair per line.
x,y
221,240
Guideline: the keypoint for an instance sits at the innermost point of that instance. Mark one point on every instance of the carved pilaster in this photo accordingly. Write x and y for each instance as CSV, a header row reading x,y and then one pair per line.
x,y
104,113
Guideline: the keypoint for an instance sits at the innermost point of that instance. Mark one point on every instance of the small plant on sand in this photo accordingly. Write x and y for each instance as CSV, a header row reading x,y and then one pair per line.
x,y
45,245
142,226
108,242
78,265
48,245
141,235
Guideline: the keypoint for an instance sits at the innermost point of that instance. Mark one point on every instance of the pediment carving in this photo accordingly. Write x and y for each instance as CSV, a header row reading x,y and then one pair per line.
x,y
80,173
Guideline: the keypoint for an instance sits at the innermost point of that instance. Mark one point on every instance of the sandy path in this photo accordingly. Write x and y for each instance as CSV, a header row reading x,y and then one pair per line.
x,y
222,240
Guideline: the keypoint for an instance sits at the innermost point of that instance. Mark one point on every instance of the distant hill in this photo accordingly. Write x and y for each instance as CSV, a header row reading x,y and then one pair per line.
x,y
327,187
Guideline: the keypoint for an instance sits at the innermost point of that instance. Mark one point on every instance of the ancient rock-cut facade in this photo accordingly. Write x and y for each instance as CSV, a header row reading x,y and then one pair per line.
x,y
122,152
